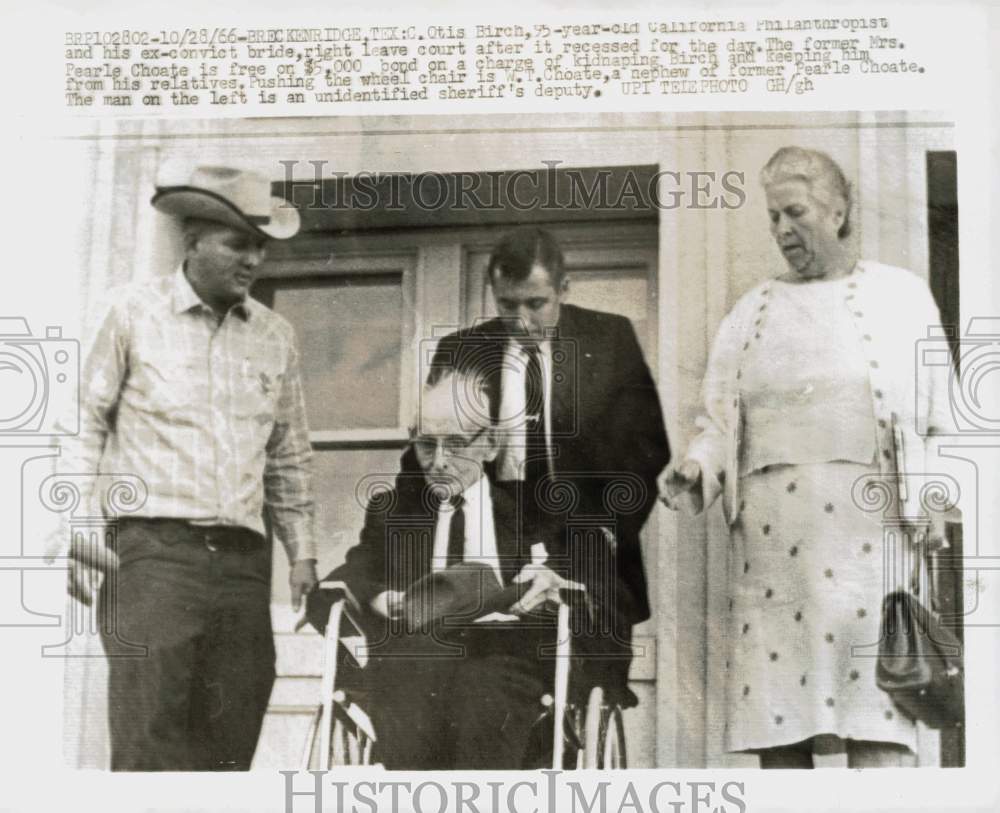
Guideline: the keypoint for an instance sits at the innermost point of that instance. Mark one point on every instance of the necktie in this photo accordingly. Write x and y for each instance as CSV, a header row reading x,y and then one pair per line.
x,y
456,532
534,399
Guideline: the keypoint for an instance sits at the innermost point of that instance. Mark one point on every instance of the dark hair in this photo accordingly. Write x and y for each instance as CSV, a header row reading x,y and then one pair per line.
x,y
521,249
818,170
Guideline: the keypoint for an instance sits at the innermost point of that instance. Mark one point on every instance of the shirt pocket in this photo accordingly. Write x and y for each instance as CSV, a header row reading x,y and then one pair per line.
x,y
257,393
169,387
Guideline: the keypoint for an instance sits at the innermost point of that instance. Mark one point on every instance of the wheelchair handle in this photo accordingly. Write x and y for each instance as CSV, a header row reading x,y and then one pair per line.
x,y
339,589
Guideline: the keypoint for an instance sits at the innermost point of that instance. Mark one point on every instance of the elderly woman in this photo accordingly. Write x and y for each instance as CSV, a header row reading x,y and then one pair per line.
x,y
811,387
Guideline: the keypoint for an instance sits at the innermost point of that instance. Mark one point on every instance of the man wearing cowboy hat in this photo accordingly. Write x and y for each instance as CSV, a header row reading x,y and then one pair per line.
x,y
194,387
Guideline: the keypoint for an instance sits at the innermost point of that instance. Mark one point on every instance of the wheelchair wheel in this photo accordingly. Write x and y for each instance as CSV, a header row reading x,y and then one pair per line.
x,y
604,734
340,750
351,740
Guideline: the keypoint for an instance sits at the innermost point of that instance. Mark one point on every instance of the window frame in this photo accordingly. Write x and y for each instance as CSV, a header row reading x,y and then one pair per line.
x,y
324,267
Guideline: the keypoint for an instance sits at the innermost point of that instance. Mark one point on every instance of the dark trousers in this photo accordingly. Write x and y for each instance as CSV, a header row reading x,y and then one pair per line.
x,y
189,646
470,712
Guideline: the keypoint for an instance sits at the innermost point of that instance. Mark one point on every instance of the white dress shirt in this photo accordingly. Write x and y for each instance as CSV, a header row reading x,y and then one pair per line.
x,y
480,532
513,417
480,543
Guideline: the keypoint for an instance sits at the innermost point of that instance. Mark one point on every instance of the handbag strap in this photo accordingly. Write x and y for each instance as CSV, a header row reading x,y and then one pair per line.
x,y
918,551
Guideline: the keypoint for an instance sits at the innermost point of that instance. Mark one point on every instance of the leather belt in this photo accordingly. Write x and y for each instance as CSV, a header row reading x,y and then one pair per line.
x,y
213,537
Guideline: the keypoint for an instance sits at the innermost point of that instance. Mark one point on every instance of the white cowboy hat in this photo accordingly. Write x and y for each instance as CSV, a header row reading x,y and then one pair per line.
x,y
236,197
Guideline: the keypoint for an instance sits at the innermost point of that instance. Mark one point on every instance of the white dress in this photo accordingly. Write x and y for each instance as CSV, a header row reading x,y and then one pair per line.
x,y
806,572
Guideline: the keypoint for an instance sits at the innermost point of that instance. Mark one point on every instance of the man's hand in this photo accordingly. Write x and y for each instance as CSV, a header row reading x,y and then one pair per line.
x,y
388,604
302,580
81,582
545,586
86,560
677,480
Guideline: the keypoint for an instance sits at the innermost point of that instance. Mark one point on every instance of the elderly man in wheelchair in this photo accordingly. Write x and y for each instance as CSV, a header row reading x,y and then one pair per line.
x,y
487,644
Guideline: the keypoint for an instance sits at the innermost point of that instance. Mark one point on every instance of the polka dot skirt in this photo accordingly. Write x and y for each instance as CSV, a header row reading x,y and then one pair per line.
x,y
806,587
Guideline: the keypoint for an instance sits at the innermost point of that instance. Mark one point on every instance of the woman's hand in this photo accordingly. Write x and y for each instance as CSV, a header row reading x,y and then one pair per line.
x,y
675,481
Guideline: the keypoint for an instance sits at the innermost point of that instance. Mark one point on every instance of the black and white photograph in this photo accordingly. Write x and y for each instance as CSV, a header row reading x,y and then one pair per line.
x,y
533,459
531,315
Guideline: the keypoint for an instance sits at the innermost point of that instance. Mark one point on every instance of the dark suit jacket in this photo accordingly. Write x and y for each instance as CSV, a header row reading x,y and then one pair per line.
x,y
396,550
608,438
407,667
397,541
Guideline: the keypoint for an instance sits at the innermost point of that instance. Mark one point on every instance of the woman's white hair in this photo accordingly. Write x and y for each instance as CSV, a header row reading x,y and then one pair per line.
x,y
818,170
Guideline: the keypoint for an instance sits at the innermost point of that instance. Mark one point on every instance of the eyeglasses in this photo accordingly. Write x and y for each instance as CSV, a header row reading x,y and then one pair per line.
x,y
451,444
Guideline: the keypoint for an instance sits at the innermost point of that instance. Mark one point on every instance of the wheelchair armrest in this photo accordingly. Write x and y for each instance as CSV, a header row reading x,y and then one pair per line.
x,y
578,603
325,595
339,589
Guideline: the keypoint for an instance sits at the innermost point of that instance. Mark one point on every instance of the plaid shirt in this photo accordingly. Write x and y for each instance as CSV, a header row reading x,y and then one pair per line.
x,y
210,416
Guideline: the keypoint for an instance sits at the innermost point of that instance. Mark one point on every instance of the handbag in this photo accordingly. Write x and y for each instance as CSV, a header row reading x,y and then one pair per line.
x,y
920,661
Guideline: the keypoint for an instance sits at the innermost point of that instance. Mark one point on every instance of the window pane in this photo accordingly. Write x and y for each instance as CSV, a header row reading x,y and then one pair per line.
x,y
342,478
350,333
622,291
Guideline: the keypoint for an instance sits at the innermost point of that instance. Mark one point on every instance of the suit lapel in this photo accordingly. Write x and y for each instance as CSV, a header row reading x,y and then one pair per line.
x,y
563,380
486,355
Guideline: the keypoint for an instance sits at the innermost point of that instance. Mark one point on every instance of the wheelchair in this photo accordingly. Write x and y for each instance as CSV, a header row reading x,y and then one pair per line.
x,y
580,724
340,732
